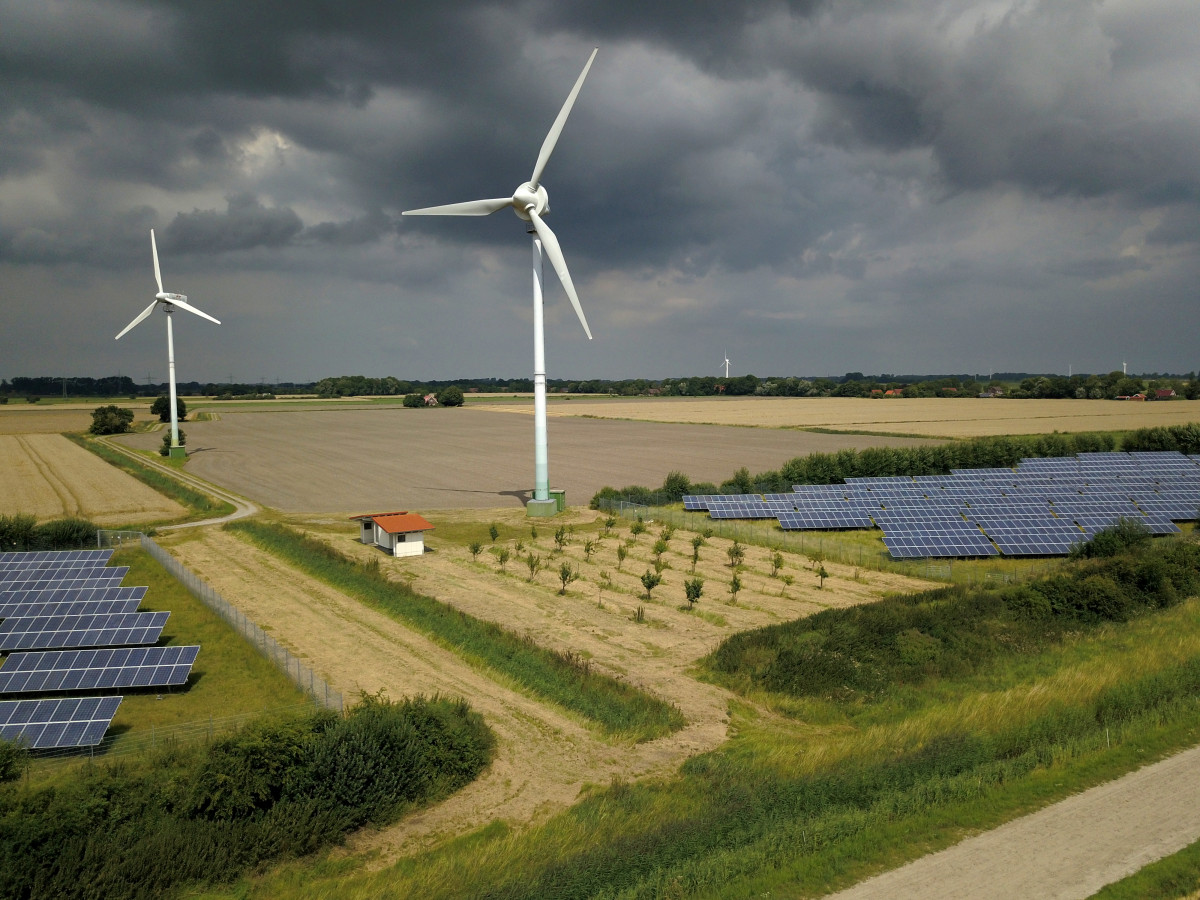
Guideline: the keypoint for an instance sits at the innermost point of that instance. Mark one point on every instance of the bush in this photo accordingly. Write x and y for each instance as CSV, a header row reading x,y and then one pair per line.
x,y
110,420
165,449
451,396
21,532
162,408
413,401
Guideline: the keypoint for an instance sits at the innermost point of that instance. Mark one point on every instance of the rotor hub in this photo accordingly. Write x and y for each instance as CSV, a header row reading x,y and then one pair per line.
x,y
527,196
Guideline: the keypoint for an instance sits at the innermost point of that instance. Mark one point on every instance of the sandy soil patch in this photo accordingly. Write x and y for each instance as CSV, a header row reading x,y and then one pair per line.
x,y
47,476
545,756
965,417
395,458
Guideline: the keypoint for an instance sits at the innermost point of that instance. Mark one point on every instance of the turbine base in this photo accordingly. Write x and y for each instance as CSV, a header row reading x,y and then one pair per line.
x,y
178,453
541,509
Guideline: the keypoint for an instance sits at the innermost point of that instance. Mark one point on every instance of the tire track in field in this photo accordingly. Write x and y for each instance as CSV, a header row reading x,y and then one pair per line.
x,y
72,504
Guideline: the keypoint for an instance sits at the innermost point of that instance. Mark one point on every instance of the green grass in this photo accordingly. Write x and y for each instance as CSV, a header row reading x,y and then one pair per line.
x,y
616,708
200,504
799,807
1177,875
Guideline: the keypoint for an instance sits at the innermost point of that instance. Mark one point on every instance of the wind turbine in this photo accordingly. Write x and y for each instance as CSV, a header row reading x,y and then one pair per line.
x,y
726,363
169,302
531,202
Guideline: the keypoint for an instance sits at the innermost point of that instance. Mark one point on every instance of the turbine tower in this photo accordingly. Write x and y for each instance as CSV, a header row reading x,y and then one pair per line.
x,y
531,202
726,363
169,302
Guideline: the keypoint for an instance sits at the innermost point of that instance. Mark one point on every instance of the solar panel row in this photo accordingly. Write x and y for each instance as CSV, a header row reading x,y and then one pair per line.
x,y
70,670
52,632
51,724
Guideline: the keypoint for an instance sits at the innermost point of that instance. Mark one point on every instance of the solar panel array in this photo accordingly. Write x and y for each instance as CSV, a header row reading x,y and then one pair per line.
x,y
1041,508
86,634
55,724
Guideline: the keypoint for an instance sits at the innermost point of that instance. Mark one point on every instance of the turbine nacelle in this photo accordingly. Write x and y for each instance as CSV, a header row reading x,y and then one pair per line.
x,y
529,197
172,298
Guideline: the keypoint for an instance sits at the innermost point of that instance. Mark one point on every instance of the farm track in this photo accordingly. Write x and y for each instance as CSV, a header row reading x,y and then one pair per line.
x,y
544,756
1068,850
70,501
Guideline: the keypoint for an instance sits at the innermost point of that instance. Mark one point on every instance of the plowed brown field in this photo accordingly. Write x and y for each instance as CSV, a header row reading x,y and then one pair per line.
x,y
47,476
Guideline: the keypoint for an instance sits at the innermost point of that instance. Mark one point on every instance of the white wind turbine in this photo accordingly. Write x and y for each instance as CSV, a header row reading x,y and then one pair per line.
x,y
726,363
531,202
169,302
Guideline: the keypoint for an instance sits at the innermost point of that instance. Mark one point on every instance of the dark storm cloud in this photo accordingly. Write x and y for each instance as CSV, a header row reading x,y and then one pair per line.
x,y
776,173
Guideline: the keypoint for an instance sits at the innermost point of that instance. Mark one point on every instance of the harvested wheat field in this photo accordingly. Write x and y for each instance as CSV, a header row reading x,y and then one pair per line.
x,y
545,756
965,417
47,476
367,460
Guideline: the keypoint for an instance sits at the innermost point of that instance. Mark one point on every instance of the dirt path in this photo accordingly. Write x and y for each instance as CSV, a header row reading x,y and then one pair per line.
x,y
1068,850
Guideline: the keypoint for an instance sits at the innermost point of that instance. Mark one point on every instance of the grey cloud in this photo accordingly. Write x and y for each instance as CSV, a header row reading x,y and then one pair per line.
x,y
244,225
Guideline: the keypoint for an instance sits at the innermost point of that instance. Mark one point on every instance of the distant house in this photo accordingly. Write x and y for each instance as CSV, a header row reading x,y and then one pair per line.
x,y
430,399
894,392
400,533
1164,394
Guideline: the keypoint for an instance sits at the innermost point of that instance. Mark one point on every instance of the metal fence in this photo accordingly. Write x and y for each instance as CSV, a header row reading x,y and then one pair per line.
x,y
303,676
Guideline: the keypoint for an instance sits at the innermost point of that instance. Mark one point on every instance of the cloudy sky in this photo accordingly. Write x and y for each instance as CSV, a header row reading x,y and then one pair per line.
x,y
812,187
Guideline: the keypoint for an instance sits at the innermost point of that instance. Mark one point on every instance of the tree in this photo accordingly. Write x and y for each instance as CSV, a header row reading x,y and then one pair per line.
x,y
451,396
609,523
822,575
566,574
736,554
692,589
475,547
660,547
589,547
414,401
493,532
776,563
622,552
697,543
561,538
162,408
650,580
503,556
110,420
637,527
735,585
534,561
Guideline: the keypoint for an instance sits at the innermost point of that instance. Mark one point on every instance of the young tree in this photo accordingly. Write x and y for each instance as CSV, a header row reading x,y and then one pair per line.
x,y
561,538
475,547
162,408
667,533
566,574
533,532
692,589
622,552
776,563
534,561
493,532
697,543
110,420
736,554
735,585
609,524
589,547
637,527
650,580
503,556
822,575
660,547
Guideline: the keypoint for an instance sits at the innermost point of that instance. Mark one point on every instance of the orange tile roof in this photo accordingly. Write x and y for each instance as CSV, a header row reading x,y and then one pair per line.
x,y
403,512
402,523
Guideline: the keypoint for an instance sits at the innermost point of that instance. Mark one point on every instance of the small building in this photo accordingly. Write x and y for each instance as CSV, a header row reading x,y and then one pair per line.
x,y
399,533
1164,394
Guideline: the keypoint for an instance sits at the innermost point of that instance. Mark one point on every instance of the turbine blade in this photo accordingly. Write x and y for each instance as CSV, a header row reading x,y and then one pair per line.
x,y
557,127
550,242
183,305
142,315
154,250
470,208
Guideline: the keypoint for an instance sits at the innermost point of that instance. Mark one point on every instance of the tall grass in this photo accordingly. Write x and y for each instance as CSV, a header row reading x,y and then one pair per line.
x,y
617,708
199,503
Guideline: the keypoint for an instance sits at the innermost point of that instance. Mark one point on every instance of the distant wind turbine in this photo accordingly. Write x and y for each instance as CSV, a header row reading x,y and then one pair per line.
x,y
169,302
727,364
531,202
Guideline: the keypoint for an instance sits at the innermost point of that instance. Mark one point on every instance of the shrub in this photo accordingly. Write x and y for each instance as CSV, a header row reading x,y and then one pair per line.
x,y
110,420
412,401
451,396
161,407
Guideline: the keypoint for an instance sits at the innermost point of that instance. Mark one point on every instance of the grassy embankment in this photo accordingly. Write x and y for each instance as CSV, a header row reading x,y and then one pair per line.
x,y
1174,876
838,783
201,505
617,709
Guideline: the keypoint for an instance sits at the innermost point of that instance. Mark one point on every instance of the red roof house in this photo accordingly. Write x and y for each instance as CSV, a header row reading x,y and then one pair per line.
x,y
400,533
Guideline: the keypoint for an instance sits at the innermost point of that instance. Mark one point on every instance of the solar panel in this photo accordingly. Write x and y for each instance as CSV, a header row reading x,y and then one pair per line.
x,y
68,608
22,558
109,577
68,595
55,724
942,539
75,670
51,632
